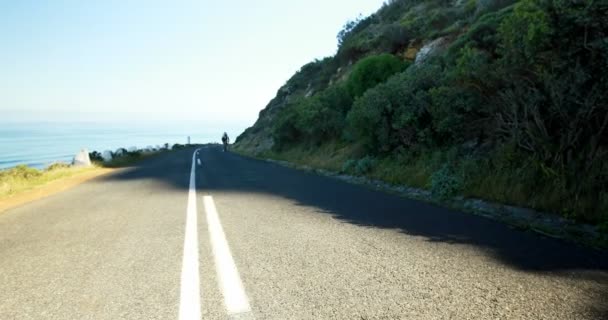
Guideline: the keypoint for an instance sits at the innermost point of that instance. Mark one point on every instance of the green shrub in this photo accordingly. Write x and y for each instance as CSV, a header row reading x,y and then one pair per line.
x,y
284,131
21,171
359,167
365,165
371,71
317,121
349,166
457,115
337,97
393,10
445,184
395,113
482,35
95,156
525,33
470,6
393,37
313,75
485,6
368,120
414,22
314,119
351,45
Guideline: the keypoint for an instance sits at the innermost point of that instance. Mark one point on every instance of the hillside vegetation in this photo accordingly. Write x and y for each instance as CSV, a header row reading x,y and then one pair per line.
x,y
498,99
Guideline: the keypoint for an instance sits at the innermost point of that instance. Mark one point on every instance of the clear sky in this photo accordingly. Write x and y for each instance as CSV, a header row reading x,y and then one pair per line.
x,y
200,61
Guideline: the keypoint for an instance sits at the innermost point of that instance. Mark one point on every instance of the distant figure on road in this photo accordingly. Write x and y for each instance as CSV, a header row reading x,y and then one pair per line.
x,y
225,141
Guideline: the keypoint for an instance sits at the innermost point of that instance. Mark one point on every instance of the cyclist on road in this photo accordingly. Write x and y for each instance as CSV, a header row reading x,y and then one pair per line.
x,y
225,141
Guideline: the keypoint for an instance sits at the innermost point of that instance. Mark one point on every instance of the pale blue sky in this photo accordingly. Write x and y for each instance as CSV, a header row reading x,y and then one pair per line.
x,y
200,61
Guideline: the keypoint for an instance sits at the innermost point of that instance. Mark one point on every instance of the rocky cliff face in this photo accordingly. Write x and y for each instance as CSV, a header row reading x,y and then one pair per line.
x,y
258,138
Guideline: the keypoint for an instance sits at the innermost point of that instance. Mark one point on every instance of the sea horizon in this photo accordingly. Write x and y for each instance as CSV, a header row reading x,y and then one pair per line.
x,y
39,144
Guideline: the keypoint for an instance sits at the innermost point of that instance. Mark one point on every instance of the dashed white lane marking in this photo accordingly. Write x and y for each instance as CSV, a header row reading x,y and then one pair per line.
x,y
190,296
230,284
198,161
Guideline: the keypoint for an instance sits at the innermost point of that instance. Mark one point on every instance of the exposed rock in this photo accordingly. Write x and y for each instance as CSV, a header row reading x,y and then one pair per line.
x,y
82,159
412,50
431,49
309,91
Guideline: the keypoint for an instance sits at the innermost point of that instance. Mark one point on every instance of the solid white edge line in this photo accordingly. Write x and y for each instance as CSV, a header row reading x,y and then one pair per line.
x,y
190,297
230,283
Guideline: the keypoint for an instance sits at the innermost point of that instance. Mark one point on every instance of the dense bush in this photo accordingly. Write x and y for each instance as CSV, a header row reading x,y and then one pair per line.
x,y
365,165
318,121
455,115
484,6
359,167
445,183
520,92
395,113
95,156
314,119
284,131
525,34
371,71
349,39
349,165
336,97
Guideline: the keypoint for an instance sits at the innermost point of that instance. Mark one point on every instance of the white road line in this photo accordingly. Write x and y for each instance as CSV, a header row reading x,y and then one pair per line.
x,y
190,296
235,299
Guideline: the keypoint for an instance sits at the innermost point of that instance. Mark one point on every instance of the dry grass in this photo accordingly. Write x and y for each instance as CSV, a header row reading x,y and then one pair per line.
x,y
23,178
329,156
23,184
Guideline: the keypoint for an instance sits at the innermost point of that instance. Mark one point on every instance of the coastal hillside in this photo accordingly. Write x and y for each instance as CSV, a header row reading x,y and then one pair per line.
x,y
496,99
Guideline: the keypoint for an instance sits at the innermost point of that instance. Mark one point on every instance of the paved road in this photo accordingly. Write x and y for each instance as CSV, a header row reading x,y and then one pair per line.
x,y
284,245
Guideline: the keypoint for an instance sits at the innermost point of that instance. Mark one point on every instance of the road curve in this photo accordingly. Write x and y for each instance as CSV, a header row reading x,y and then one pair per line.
x,y
296,245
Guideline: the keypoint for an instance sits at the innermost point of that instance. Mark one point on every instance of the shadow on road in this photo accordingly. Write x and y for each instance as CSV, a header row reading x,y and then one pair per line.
x,y
227,172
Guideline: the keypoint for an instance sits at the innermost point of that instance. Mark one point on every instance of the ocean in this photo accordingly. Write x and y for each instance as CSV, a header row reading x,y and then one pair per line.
x,y
41,144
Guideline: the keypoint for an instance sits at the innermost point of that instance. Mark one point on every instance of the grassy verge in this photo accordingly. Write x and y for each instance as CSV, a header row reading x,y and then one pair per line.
x,y
500,177
329,156
23,184
22,178
466,178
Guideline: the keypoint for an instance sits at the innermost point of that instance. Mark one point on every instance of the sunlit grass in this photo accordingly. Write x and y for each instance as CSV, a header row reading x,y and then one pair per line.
x,y
23,178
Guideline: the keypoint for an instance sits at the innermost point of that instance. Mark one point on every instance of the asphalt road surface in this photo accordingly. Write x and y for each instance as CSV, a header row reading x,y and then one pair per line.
x,y
217,236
